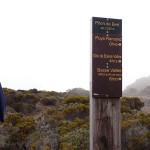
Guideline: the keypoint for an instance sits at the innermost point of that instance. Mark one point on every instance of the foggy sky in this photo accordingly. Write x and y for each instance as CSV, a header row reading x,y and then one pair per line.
x,y
46,44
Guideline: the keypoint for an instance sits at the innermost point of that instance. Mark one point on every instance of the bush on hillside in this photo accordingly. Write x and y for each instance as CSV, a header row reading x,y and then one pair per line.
x,y
49,100
132,103
76,99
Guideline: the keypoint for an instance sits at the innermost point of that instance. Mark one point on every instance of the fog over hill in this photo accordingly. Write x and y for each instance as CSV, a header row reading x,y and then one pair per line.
x,y
141,87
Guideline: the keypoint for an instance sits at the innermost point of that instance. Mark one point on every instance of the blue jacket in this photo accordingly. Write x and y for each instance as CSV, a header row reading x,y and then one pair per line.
x,y
2,105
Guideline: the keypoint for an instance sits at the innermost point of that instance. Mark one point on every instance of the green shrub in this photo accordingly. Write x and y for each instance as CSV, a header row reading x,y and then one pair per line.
x,y
125,109
30,107
132,102
35,91
31,99
13,118
49,100
22,129
67,146
76,111
33,147
46,148
51,111
148,134
78,138
18,98
18,107
76,99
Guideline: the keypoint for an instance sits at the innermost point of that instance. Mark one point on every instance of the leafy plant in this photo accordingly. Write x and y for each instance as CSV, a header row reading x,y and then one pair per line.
x,y
49,100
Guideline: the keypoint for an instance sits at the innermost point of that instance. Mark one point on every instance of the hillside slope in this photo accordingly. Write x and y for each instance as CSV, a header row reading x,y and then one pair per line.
x,y
141,87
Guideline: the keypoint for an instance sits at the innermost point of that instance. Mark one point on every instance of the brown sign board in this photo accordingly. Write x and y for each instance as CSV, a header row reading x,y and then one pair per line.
x,y
106,57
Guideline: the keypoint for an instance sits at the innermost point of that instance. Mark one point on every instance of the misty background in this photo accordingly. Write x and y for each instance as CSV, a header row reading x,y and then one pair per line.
x,y
46,44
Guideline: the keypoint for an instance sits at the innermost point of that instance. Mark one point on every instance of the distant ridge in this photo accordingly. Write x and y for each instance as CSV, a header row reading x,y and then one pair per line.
x,y
77,92
141,87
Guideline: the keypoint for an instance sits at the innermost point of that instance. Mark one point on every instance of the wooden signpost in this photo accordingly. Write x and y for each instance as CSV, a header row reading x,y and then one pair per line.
x,y
106,84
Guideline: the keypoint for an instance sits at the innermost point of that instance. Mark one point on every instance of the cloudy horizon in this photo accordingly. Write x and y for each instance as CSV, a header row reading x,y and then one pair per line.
x,y
46,44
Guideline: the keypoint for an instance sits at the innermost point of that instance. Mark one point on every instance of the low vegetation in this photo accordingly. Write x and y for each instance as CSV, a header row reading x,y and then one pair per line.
x,y
42,120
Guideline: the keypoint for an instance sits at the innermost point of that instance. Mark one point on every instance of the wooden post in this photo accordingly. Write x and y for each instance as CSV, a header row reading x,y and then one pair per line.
x,y
105,124
106,84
